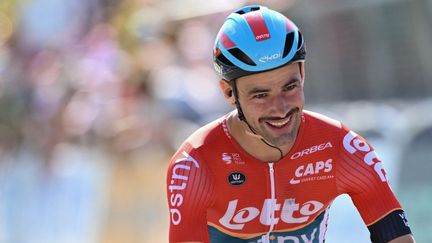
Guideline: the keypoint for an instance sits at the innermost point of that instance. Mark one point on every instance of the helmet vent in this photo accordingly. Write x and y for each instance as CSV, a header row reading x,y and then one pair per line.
x,y
300,41
239,54
288,43
242,11
224,60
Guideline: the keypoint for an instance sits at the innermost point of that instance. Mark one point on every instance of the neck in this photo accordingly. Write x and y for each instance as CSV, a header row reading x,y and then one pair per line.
x,y
254,144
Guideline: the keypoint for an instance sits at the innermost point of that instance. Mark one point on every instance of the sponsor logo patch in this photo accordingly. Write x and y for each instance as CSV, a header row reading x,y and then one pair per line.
x,y
228,158
311,150
236,178
178,183
269,58
313,172
404,219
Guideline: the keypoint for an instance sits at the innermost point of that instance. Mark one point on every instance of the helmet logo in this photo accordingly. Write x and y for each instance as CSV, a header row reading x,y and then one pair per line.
x,y
262,37
270,57
258,26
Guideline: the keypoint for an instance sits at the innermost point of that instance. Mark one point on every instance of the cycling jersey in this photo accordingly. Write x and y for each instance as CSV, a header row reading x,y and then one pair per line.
x,y
217,192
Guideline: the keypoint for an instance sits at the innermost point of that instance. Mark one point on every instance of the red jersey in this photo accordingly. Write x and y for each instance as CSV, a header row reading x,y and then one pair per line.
x,y
218,192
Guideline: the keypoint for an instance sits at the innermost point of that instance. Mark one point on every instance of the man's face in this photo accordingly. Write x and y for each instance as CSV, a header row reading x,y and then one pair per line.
x,y
272,103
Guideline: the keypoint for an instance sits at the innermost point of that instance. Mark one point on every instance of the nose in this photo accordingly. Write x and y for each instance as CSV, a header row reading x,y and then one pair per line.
x,y
280,106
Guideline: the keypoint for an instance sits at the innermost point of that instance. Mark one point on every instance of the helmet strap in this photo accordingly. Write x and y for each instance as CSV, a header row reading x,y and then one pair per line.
x,y
237,102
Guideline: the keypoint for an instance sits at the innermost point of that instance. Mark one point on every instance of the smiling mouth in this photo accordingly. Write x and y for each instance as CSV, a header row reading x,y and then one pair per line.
x,y
280,123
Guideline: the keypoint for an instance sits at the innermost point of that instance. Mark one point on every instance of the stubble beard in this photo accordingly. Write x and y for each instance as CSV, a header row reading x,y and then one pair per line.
x,y
284,139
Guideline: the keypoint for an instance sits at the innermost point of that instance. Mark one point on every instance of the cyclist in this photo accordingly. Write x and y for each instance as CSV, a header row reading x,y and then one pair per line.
x,y
269,170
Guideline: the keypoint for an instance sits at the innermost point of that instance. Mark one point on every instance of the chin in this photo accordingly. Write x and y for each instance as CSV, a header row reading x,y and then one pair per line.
x,y
284,142
281,141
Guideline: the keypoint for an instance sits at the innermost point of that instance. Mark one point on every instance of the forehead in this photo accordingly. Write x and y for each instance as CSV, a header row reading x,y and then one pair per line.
x,y
271,78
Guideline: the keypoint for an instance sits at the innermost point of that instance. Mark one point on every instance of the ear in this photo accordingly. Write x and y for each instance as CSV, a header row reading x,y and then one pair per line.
x,y
226,89
302,71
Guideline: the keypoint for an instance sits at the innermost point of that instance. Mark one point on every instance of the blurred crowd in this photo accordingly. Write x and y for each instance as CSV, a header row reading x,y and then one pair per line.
x,y
115,74
85,85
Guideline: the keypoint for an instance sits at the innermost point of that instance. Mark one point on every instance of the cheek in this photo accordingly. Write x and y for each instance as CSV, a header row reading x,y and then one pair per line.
x,y
258,105
255,109
297,97
301,97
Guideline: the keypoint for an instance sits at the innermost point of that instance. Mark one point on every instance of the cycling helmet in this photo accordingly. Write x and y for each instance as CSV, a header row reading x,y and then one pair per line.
x,y
255,39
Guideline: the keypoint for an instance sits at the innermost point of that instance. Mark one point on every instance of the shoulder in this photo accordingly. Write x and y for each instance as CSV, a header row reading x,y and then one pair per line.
x,y
208,134
204,140
321,121
324,126
190,162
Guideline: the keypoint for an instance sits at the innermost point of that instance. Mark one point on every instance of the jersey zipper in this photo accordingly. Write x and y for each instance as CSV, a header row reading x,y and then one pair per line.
x,y
273,201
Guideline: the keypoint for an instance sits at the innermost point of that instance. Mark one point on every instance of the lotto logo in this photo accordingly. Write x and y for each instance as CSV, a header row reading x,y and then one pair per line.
x,y
236,219
353,143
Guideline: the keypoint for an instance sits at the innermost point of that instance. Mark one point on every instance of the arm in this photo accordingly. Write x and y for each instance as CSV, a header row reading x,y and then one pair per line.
x,y
363,177
189,193
403,239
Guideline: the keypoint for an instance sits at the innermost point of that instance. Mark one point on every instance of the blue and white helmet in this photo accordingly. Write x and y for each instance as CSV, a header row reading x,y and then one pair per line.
x,y
255,39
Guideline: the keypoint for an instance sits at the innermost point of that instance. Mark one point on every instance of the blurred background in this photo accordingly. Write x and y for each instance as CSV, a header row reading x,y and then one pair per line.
x,y
96,95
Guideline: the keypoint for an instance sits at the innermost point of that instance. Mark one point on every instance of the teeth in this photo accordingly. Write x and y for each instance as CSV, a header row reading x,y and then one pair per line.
x,y
280,124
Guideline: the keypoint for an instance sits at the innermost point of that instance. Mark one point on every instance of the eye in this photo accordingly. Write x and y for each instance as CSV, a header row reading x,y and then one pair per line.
x,y
260,96
291,86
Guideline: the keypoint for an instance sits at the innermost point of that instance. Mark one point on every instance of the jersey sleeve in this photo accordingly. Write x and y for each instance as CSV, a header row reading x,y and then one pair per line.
x,y
189,194
361,175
